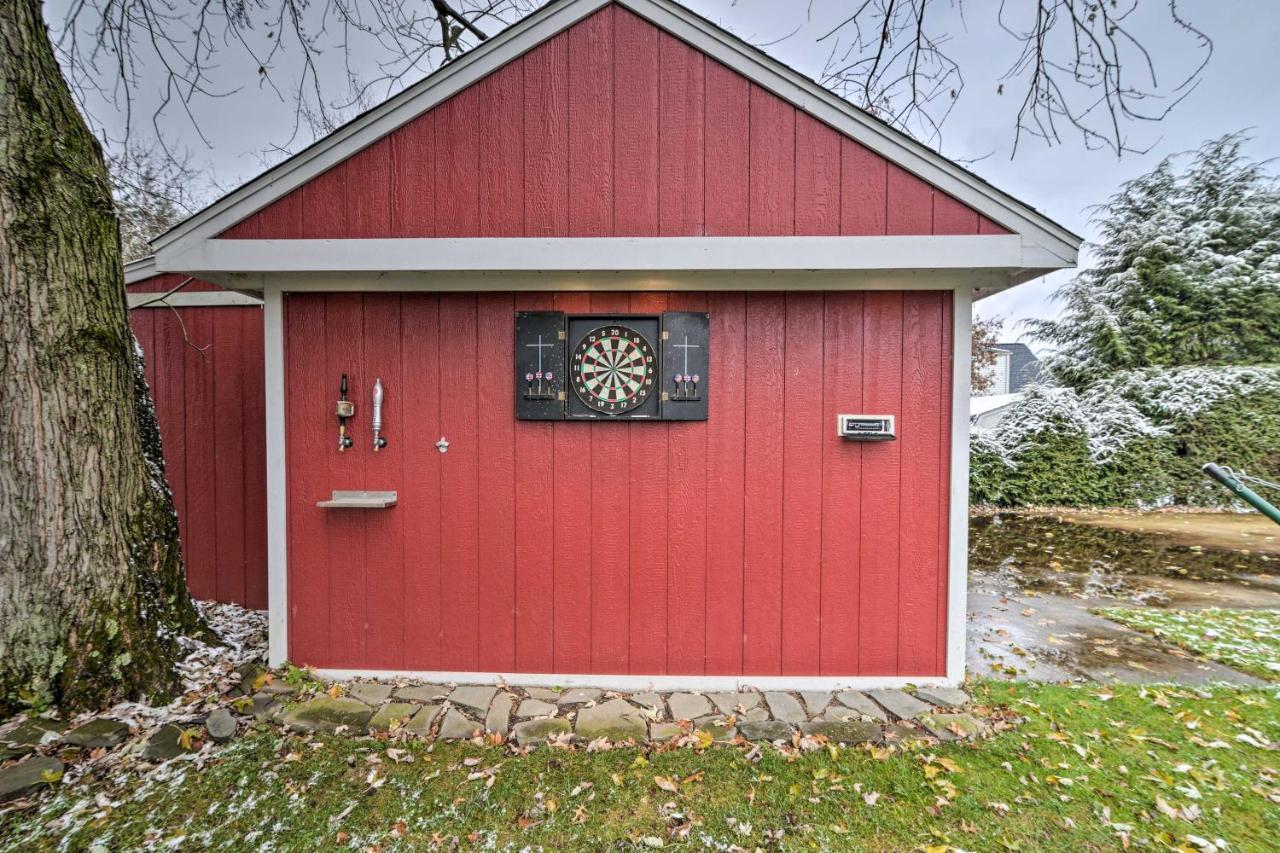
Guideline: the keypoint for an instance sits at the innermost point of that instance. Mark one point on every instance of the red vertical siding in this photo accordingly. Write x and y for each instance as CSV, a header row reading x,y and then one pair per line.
x,y
312,393
765,331
635,125
383,531
497,482
773,165
200,553
650,578
818,179
420,499
881,539
546,145
802,484
458,166
204,369
842,356
591,128
593,131
726,181
922,524
681,154
754,543
459,486
726,481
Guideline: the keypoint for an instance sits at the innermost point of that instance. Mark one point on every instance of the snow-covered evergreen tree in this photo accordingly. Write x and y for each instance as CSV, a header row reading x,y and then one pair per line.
x,y
1187,272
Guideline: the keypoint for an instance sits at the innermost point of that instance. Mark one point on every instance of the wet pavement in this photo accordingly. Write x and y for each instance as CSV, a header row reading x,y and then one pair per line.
x,y
1034,578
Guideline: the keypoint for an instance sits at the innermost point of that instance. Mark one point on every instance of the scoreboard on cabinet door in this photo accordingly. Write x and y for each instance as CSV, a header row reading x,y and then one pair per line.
x,y
611,366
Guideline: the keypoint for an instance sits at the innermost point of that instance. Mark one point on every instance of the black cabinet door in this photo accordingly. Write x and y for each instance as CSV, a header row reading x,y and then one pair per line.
x,y
686,338
540,379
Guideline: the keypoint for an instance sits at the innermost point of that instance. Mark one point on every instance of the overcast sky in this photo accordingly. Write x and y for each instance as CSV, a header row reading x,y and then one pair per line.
x,y
1238,91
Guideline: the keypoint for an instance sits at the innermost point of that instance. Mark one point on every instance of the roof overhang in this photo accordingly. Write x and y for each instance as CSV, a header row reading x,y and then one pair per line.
x,y
1038,244
140,270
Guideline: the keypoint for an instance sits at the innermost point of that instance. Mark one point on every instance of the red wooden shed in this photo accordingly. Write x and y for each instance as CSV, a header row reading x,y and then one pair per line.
x,y
202,346
672,351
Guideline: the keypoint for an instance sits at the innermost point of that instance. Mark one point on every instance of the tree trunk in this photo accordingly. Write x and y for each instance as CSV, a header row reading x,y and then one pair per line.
x,y
92,595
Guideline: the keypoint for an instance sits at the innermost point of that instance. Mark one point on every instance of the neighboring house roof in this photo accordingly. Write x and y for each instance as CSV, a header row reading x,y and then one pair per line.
x,y
987,412
1046,244
982,405
1024,367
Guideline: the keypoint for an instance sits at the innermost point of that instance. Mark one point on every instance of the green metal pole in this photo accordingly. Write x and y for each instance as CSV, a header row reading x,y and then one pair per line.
x,y
1246,494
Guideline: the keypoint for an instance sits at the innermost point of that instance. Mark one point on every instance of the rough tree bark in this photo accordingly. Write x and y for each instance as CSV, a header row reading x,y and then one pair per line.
x,y
92,595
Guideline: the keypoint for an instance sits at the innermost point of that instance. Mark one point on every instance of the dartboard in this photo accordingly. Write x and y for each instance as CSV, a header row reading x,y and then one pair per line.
x,y
613,369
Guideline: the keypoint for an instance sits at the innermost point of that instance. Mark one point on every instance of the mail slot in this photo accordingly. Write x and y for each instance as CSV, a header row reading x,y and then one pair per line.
x,y
865,427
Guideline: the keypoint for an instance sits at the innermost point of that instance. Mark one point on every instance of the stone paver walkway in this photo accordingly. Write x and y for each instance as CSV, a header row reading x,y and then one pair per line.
x,y
534,715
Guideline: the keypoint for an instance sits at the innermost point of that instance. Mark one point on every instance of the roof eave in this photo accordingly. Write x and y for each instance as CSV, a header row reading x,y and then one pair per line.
x,y
1036,229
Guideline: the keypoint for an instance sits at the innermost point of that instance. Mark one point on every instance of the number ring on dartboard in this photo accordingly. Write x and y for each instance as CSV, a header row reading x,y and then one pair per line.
x,y
613,369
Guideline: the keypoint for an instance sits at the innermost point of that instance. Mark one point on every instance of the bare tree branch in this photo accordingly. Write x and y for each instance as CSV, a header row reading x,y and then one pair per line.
x,y
1086,65
118,54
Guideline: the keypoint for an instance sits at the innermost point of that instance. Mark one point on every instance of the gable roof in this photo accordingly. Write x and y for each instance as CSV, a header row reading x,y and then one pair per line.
x,y
1056,244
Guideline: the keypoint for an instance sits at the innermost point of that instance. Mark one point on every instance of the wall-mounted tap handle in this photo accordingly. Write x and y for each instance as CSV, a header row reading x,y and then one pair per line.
x,y
378,439
344,409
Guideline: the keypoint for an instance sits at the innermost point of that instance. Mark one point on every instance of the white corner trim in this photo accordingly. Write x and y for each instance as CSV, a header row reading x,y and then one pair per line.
x,y
555,17
140,270
632,683
958,533
198,299
596,254
277,481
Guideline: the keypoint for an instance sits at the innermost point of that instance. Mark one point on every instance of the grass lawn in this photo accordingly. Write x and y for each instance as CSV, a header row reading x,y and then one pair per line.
x,y
1088,768
1248,640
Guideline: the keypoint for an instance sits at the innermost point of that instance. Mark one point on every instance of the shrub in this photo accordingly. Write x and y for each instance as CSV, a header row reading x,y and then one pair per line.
x,y
1137,438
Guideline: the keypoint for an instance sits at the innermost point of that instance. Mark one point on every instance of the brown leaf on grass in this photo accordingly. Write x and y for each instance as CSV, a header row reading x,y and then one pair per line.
x,y
666,784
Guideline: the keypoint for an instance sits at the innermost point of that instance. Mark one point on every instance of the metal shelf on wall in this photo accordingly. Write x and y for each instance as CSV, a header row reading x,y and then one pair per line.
x,y
359,500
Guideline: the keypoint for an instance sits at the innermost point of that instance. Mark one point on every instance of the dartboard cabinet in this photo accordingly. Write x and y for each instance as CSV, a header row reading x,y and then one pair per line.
x,y
623,367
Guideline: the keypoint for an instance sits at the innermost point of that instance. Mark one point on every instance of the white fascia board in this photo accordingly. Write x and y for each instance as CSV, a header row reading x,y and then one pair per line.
x,y
611,282
632,683
521,37
198,299
599,254
139,270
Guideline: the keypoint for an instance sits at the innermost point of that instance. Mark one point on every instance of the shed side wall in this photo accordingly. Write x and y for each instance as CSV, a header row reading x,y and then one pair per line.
x,y
755,543
204,367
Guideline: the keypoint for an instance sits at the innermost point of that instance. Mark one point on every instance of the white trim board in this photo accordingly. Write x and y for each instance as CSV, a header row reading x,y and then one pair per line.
x,y
626,281
632,683
1008,252
139,270
277,480
958,521
702,34
197,299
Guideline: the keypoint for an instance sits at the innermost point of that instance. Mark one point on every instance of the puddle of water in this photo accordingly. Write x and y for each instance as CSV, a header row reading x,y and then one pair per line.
x,y
1052,554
